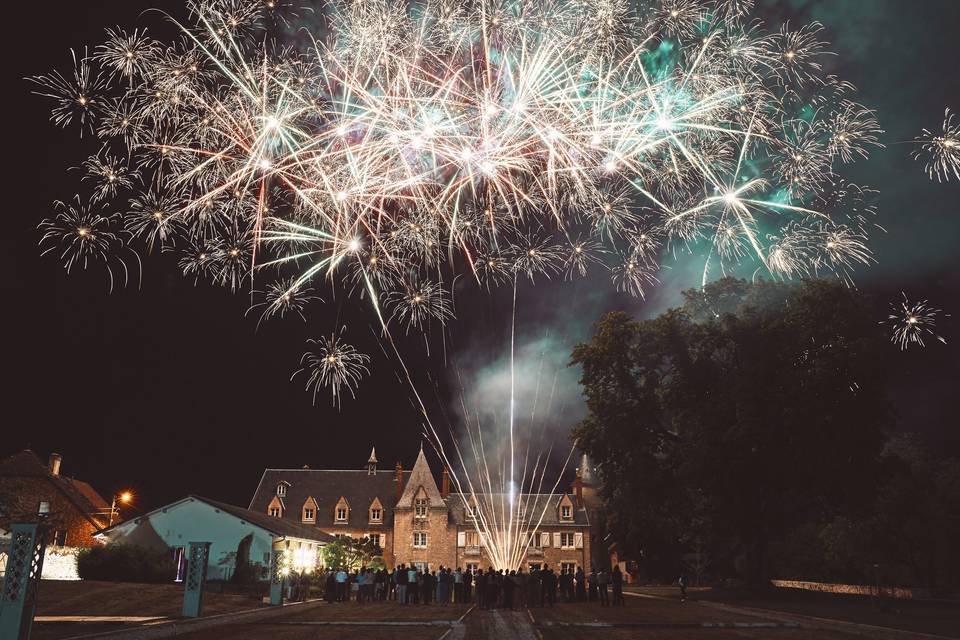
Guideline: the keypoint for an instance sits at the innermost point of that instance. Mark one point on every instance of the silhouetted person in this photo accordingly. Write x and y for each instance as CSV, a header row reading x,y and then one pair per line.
x,y
603,582
617,580
581,585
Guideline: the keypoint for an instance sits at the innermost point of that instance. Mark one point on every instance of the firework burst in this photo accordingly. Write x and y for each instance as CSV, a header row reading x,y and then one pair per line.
x,y
332,364
940,151
912,322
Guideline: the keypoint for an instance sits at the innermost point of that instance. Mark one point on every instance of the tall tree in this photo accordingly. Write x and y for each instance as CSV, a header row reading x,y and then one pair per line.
x,y
750,409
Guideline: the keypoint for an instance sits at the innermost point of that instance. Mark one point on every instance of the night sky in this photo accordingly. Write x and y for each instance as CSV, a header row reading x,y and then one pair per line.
x,y
170,390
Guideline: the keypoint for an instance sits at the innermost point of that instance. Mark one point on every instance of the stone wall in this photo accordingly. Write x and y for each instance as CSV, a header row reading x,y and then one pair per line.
x,y
441,538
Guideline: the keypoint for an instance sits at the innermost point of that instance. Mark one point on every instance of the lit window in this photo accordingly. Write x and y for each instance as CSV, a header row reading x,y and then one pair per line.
x,y
44,507
565,512
420,508
341,514
281,489
376,515
419,540
568,567
566,541
274,512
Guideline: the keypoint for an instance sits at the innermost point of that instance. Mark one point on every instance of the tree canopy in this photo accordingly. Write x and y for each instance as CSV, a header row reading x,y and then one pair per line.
x,y
726,423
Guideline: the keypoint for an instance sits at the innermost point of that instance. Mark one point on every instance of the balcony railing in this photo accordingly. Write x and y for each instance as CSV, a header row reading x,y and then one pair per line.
x,y
471,550
534,551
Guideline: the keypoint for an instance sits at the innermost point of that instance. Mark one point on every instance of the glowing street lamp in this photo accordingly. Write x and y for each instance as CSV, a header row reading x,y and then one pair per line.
x,y
125,497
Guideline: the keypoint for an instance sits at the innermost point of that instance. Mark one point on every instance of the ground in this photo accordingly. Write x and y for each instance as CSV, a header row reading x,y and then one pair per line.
x,y
651,614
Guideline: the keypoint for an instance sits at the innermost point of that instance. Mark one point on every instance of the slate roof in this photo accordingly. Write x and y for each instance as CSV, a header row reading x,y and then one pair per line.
x,y
546,504
26,464
420,476
261,520
326,486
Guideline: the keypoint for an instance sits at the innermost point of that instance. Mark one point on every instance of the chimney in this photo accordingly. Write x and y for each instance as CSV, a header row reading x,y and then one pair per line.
x,y
54,465
445,484
578,488
399,480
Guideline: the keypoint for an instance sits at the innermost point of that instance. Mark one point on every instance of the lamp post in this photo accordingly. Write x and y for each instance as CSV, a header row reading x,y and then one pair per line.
x,y
124,497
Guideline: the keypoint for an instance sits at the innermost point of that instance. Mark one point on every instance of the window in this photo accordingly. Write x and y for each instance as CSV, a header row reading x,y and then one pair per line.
x,y
473,566
376,515
282,489
566,513
473,538
419,540
308,514
274,512
534,565
566,540
422,566
420,508
341,514
568,567
374,538
44,507
60,538
535,540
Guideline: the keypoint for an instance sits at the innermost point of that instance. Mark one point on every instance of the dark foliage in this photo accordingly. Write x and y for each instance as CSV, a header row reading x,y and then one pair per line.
x,y
126,563
725,426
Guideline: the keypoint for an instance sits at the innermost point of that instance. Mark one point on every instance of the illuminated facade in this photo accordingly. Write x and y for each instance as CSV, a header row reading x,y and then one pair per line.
x,y
416,521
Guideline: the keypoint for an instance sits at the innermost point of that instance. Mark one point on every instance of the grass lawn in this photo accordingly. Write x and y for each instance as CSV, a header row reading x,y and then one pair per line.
x,y
924,617
93,598
89,597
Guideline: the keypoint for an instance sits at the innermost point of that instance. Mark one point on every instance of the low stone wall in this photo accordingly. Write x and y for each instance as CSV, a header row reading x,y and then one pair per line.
x,y
899,593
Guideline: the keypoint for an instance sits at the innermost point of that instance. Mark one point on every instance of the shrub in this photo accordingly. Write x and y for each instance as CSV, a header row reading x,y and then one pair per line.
x,y
126,563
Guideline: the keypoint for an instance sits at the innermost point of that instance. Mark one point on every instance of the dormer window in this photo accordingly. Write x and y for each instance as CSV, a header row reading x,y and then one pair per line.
x,y
308,512
274,512
376,515
275,508
566,513
420,507
341,513
281,489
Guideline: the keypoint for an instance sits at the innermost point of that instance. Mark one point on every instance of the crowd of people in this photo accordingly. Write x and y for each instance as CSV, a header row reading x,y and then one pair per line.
x,y
488,589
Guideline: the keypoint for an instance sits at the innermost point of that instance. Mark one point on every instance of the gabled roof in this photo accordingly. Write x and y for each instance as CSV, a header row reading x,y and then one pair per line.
x,y
276,526
358,487
26,464
421,476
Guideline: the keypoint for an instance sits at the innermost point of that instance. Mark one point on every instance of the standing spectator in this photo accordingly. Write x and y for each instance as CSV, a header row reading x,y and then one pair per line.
x,y
458,586
468,585
508,585
603,581
402,577
549,585
581,585
481,581
534,589
682,582
342,585
617,580
593,584
493,589
443,586
330,587
413,586
522,588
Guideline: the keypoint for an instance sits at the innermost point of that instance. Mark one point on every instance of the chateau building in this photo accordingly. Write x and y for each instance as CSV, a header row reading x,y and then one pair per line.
x,y
417,522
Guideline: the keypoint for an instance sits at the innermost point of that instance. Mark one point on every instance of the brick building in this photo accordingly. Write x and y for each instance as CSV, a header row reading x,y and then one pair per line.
x,y
33,490
415,521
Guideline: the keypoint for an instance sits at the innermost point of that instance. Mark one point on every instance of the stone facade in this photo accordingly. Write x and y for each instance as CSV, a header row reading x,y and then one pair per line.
x,y
423,524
